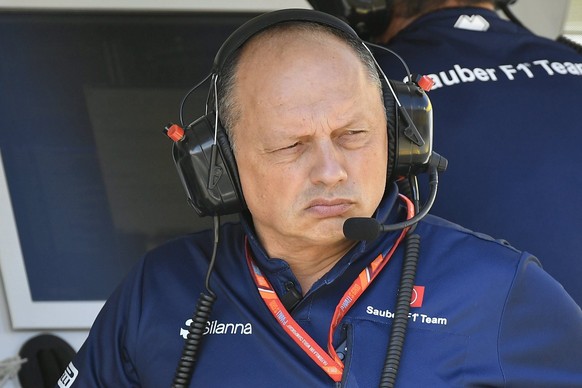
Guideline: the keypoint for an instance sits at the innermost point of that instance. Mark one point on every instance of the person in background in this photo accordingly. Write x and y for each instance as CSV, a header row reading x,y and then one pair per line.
x,y
506,117
305,127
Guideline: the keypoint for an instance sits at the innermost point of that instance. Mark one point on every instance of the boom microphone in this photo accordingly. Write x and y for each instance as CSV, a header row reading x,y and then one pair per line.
x,y
362,228
365,228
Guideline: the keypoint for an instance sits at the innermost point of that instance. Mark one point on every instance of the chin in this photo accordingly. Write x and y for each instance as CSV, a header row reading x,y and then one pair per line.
x,y
330,231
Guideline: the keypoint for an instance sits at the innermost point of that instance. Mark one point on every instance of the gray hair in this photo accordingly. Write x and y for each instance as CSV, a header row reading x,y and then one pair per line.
x,y
228,106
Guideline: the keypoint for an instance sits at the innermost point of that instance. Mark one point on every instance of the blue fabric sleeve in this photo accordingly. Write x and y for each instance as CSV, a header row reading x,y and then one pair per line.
x,y
540,344
104,360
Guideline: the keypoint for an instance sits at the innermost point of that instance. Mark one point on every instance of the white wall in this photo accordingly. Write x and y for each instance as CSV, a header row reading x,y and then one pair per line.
x,y
573,24
542,16
11,341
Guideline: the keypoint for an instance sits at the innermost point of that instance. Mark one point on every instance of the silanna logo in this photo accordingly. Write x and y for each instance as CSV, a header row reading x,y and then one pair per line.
x,y
215,327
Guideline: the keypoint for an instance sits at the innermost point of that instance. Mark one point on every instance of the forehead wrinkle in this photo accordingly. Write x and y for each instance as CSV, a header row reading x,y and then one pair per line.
x,y
285,44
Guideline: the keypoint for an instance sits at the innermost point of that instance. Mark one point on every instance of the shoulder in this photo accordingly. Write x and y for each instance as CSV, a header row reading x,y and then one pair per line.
x,y
198,245
438,37
502,299
479,264
449,248
185,258
451,233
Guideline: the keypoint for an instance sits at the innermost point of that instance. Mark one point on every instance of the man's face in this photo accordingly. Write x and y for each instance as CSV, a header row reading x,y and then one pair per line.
x,y
311,142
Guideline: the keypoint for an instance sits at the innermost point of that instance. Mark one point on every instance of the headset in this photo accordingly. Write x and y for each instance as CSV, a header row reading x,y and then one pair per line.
x,y
208,171
203,155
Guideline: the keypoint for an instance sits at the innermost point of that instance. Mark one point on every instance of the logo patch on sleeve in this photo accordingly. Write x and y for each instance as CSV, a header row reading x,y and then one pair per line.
x,y
68,377
417,296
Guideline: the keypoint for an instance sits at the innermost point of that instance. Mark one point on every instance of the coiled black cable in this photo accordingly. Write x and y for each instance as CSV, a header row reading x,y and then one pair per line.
x,y
193,341
400,322
185,367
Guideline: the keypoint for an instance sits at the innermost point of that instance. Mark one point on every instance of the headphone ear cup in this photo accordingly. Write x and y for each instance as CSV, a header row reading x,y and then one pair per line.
x,y
409,130
208,170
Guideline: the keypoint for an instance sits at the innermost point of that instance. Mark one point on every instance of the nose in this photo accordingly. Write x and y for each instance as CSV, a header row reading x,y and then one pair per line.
x,y
328,165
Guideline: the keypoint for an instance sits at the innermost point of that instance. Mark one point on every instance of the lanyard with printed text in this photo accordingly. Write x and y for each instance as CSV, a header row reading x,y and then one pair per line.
x,y
328,361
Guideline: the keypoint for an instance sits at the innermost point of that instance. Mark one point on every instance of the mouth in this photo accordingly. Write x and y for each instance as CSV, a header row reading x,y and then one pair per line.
x,y
324,208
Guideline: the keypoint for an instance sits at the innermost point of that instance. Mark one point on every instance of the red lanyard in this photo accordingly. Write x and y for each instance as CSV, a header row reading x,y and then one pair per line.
x,y
328,361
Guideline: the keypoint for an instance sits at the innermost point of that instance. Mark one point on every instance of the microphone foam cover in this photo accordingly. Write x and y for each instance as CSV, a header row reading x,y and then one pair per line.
x,y
361,228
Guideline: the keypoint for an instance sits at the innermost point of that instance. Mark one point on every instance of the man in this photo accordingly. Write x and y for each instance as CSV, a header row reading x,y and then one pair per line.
x,y
303,104
506,113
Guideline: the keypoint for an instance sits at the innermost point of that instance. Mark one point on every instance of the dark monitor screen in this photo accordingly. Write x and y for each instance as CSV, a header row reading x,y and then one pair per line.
x,y
85,96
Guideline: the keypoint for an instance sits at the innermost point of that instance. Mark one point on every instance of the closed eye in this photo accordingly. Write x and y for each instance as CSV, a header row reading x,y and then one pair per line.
x,y
291,146
353,137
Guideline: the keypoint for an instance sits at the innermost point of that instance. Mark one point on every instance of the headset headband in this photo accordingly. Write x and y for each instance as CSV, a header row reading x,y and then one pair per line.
x,y
264,21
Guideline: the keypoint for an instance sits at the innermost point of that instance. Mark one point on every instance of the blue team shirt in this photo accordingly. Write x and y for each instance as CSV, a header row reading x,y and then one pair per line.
x,y
489,316
507,117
